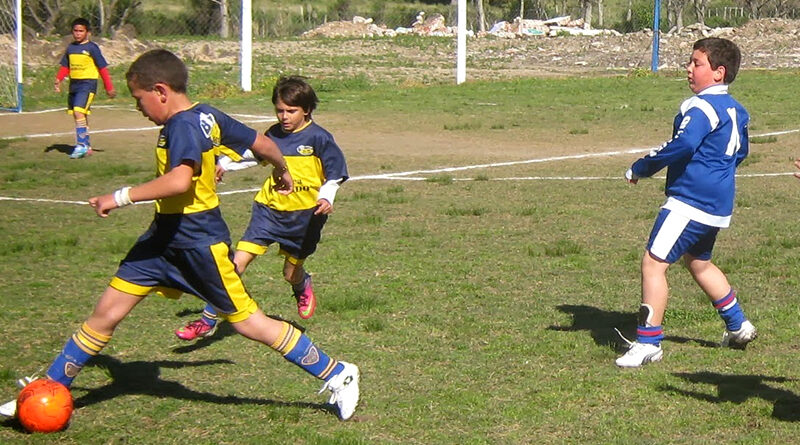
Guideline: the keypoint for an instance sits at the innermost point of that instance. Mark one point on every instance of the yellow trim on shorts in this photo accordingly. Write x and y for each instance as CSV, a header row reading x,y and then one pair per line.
x,y
292,259
255,249
244,304
130,288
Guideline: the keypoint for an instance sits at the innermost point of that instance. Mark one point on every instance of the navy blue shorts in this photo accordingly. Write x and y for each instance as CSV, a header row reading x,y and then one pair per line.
x,y
297,232
80,98
674,235
206,271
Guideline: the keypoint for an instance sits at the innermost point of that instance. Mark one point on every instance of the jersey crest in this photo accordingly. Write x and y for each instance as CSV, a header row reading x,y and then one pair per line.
x,y
305,150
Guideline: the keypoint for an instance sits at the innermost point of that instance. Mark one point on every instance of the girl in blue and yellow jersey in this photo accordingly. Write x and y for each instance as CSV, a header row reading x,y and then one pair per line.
x,y
293,221
83,62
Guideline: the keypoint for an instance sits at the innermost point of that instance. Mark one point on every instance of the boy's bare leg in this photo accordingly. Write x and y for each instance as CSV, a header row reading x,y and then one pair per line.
x,y
260,328
111,309
709,277
242,259
655,290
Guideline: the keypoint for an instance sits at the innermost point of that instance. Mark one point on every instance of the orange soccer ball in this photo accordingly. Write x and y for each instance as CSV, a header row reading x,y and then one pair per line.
x,y
44,406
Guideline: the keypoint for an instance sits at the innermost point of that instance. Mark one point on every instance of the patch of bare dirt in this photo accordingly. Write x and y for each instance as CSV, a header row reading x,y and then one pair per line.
x,y
765,44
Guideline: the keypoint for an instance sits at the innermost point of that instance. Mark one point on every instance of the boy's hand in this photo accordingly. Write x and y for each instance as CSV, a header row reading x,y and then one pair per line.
x,y
219,172
283,181
630,177
58,86
323,207
102,205
112,93
797,164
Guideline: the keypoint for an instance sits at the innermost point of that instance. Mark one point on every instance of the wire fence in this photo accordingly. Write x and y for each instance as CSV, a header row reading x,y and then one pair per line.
x,y
9,85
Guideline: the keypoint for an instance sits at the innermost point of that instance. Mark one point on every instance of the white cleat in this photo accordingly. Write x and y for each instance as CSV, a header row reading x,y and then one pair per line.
x,y
739,339
344,390
9,409
640,354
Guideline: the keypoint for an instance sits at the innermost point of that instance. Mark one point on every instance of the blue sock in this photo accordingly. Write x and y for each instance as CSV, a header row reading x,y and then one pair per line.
x,y
730,311
209,315
298,288
82,135
649,334
82,346
297,348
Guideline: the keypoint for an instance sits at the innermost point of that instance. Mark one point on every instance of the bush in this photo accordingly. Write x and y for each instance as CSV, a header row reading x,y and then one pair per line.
x,y
641,18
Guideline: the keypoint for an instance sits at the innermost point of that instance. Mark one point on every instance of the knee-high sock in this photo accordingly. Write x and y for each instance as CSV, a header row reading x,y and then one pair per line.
x,y
82,132
728,308
298,349
82,346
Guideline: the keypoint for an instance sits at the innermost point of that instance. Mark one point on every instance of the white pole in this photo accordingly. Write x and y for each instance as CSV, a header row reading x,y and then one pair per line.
x,y
247,45
19,55
461,51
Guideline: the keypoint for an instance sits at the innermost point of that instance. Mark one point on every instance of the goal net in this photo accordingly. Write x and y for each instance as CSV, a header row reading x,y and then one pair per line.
x,y
11,59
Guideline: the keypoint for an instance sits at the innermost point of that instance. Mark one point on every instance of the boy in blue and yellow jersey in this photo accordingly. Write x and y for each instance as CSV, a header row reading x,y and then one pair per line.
x,y
709,141
187,247
293,221
83,63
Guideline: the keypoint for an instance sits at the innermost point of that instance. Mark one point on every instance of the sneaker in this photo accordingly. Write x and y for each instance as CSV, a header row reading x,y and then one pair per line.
x,y
306,301
9,409
80,151
344,390
196,329
639,354
739,339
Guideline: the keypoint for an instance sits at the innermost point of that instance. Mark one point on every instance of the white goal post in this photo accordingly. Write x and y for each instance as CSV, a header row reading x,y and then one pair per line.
x,y
11,63
246,64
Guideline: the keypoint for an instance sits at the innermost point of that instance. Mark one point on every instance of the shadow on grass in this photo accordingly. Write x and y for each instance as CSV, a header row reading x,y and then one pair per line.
x,y
601,324
62,148
224,329
739,388
144,378
65,148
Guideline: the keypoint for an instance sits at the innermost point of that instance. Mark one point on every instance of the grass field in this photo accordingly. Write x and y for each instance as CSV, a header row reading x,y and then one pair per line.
x,y
478,295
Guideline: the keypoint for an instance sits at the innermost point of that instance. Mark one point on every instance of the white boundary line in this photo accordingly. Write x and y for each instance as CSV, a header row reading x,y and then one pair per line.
x,y
249,118
407,176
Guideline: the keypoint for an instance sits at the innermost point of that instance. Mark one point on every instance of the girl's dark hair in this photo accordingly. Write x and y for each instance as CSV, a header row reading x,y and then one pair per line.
x,y
295,91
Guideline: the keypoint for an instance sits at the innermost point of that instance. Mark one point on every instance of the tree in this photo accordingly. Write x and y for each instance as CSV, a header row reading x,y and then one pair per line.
x,y
481,16
700,7
224,18
586,8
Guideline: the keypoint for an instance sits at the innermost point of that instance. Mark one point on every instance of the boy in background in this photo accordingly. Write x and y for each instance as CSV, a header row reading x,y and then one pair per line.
x,y
187,246
709,141
83,63
294,221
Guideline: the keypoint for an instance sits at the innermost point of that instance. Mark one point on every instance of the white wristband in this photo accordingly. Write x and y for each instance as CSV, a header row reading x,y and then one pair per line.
x,y
122,197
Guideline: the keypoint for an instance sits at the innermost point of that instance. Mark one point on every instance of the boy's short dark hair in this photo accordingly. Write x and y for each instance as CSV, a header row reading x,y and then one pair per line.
x,y
158,66
295,91
721,52
81,21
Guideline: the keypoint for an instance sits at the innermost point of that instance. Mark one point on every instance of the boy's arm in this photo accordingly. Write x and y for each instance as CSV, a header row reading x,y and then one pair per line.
x,y
265,149
744,149
62,73
174,182
109,86
693,128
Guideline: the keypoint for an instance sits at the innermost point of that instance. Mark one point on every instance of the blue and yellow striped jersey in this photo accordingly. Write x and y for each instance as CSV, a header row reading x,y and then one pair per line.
x,y
195,135
84,61
313,157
